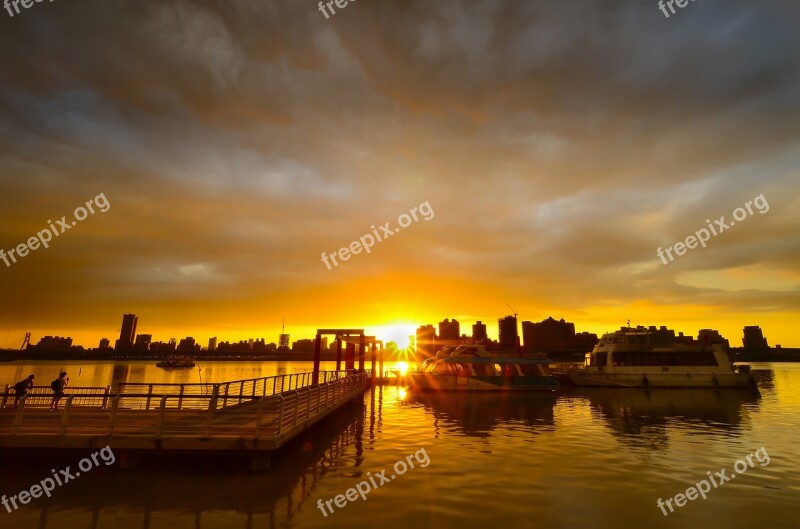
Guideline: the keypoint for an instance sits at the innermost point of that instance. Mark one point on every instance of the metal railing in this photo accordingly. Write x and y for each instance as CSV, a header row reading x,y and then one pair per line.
x,y
42,396
259,416
229,393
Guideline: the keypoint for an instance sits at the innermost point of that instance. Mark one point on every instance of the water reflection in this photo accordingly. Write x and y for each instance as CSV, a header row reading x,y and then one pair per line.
x,y
478,414
199,492
643,417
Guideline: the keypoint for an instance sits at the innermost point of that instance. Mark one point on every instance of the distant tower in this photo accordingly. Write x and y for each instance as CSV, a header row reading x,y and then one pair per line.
x,y
212,343
479,332
283,339
127,333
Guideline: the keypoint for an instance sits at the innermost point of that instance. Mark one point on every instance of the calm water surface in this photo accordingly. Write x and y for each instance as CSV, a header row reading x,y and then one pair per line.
x,y
590,458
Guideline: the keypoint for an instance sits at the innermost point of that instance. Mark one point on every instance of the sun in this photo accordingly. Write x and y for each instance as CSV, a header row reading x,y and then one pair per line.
x,y
402,368
399,333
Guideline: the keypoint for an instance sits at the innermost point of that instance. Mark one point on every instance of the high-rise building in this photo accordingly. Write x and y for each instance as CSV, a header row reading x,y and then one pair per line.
x,y
449,330
426,340
212,343
754,338
555,335
127,332
509,336
283,341
143,342
479,332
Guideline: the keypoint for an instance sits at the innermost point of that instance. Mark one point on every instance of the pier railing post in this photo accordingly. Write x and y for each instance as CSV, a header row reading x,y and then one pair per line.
x,y
149,395
259,417
65,417
161,413
280,414
105,397
5,396
113,419
274,385
180,398
18,415
241,391
212,408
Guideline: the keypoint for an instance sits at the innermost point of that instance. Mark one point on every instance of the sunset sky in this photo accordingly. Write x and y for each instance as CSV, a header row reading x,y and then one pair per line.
x,y
560,144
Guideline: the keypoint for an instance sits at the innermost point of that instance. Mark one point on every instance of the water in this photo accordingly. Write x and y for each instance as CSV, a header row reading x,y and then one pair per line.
x,y
589,458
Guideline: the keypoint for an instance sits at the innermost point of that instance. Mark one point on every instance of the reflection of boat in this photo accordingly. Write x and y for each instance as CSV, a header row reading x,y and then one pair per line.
x,y
629,358
645,416
479,413
176,362
472,368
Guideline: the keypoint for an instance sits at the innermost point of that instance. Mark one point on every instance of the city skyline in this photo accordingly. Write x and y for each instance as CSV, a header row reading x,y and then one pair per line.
x,y
525,333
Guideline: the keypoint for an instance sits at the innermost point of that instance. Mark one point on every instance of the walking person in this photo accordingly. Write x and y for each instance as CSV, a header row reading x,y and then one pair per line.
x,y
58,386
21,388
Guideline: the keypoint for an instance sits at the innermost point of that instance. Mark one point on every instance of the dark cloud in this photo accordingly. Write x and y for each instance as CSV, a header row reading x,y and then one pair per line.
x,y
560,144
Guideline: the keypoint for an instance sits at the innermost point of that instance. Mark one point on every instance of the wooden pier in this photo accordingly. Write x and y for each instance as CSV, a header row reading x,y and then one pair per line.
x,y
249,418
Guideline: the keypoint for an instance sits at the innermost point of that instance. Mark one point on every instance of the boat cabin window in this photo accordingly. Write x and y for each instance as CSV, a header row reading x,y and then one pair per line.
x,y
648,358
599,359
483,370
531,370
442,369
462,370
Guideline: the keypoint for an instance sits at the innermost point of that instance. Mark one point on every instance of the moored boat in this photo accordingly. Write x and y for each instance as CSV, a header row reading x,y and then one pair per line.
x,y
472,368
176,362
629,358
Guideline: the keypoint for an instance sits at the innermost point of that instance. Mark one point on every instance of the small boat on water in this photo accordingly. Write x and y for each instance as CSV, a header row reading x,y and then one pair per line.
x,y
630,358
176,362
472,368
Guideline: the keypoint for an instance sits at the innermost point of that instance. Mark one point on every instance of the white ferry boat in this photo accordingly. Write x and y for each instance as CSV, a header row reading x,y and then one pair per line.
x,y
472,368
628,358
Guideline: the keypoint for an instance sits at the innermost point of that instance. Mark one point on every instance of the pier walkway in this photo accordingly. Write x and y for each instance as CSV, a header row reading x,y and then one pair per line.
x,y
246,417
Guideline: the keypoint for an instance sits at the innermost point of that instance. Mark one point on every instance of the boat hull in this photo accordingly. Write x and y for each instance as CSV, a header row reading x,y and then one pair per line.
x,y
661,380
427,382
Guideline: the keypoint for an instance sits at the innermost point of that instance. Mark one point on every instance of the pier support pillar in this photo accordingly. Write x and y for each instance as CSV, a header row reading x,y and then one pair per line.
x,y
362,351
317,353
338,353
381,361
350,356
374,352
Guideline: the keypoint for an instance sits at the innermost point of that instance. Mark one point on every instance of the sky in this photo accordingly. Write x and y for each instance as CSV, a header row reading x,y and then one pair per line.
x,y
558,146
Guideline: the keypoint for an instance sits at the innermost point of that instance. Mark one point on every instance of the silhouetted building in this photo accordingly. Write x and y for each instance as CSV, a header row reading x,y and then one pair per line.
x,y
105,343
555,335
161,347
509,336
127,333
52,344
303,346
479,332
661,337
754,339
188,345
212,343
712,336
142,342
449,330
426,340
283,341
